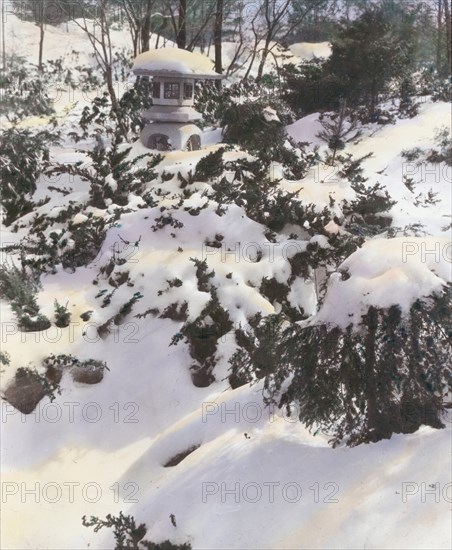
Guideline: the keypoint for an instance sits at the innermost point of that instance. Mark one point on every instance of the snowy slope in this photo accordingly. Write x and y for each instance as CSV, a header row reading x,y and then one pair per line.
x,y
290,489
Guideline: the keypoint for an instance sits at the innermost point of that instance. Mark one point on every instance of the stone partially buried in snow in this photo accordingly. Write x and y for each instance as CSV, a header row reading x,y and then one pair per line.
x,y
174,61
90,372
27,388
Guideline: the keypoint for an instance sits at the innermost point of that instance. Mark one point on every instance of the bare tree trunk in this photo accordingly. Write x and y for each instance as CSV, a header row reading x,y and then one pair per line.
x,y
265,51
181,38
42,10
439,35
146,28
448,35
254,51
103,53
218,35
3,38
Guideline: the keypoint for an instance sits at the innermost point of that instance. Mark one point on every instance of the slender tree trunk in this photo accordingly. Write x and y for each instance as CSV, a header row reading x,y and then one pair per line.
x,y
218,35
3,38
146,28
182,25
439,35
370,371
448,35
260,70
146,35
42,10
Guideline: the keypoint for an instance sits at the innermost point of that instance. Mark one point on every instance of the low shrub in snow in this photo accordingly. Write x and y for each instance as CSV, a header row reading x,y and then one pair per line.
x,y
390,374
19,287
23,159
128,535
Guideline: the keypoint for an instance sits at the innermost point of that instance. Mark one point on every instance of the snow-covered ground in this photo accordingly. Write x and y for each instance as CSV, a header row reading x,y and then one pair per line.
x,y
258,480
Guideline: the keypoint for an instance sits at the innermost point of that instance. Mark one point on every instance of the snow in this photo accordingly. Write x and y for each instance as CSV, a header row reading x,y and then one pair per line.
x,y
307,51
306,129
386,272
174,61
149,380
271,115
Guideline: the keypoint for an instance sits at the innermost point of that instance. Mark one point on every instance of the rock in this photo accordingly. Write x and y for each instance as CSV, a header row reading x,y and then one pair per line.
x,y
88,374
26,390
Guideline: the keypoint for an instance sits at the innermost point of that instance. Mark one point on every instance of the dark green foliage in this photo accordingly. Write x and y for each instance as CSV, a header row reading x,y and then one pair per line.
x,y
132,104
408,108
62,315
210,166
5,358
369,52
309,88
203,333
111,175
19,287
24,91
245,125
22,161
213,102
88,238
391,374
367,214
443,141
202,274
370,200
127,308
122,123
263,200
129,536
336,130
277,293
257,354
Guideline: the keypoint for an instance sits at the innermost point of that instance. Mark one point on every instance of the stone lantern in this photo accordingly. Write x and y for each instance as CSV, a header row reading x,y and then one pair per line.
x,y
172,116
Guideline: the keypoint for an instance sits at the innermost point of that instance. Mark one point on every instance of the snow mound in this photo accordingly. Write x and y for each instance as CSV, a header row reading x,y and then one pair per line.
x,y
174,60
387,272
309,50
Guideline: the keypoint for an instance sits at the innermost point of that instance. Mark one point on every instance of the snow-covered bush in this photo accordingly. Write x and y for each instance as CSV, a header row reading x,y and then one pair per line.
x,y
443,140
368,53
24,91
428,82
19,288
390,374
23,159
129,535
111,175
213,102
62,315
308,88
262,198
125,123
255,126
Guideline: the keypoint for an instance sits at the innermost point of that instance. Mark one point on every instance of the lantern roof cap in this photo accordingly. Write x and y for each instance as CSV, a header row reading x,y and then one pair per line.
x,y
174,62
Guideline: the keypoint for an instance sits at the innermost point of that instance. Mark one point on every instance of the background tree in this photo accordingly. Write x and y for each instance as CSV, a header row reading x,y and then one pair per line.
x,y
335,130
371,51
96,24
218,37
138,13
